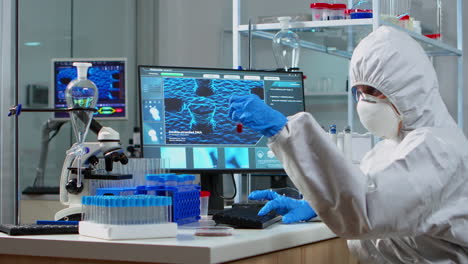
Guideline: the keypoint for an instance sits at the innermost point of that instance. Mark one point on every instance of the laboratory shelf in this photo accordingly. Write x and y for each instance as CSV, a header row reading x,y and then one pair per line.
x,y
339,37
327,94
309,24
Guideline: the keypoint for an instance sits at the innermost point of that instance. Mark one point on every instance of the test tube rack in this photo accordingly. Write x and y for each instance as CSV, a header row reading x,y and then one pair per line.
x,y
185,199
127,217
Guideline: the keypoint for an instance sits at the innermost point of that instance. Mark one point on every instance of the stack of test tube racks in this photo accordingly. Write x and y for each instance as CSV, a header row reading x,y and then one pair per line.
x,y
180,188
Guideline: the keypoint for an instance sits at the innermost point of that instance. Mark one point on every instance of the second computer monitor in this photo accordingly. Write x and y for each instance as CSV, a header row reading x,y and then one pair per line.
x,y
184,113
109,75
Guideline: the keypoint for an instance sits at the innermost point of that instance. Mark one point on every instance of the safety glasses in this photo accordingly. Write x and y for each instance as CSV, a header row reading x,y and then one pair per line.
x,y
370,95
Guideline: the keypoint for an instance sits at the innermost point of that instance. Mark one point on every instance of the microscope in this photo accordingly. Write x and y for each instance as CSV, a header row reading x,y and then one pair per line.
x,y
80,168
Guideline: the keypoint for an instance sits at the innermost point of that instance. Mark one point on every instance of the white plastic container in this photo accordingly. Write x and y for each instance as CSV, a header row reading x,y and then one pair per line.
x,y
337,11
417,26
406,22
320,11
204,200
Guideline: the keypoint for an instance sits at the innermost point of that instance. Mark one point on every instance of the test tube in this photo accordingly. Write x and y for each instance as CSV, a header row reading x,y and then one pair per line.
x,y
171,179
120,208
239,128
84,205
152,210
168,209
142,206
332,133
190,179
92,216
158,209
181,179
348,143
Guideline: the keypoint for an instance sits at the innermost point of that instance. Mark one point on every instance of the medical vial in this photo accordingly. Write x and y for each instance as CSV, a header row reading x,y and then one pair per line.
x,y
332,134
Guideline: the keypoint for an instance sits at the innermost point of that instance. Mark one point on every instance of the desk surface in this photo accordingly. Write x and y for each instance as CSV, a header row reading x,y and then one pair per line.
x,y
185,248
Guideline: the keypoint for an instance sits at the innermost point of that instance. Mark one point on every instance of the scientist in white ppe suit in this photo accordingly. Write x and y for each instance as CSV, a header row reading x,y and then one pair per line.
x,y
408,201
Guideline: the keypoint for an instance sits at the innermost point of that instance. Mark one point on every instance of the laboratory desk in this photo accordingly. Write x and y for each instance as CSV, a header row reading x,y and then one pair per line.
x,y
293,244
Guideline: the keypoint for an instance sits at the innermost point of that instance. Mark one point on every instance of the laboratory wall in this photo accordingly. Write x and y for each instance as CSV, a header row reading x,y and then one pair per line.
x,y
68,29
446,67
7,62
195,33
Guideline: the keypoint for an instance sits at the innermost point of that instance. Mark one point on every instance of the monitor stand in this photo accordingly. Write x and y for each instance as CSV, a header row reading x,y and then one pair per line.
x,y
213,182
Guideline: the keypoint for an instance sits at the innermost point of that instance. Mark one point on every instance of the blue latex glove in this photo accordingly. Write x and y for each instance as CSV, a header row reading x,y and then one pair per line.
x,y
252,112
291,209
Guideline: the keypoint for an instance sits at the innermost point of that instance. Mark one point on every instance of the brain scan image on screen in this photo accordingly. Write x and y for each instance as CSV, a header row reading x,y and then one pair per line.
x,y
153,133
152,110
155,113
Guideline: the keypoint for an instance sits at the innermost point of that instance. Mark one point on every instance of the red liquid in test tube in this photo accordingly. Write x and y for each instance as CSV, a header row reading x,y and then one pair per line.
x,y
239,128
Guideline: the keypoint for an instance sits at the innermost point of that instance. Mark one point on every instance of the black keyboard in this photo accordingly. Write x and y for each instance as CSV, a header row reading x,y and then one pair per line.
x,y
246,216
35,229
41,190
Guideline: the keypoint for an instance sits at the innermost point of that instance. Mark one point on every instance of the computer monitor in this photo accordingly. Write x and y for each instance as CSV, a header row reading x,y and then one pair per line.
x,y
110,77
184,117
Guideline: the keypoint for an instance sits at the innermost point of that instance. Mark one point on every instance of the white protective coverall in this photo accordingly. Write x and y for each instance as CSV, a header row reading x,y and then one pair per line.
x,y
408,201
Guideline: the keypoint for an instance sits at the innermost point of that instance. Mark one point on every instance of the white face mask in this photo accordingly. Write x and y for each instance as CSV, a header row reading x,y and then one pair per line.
x,y
378,116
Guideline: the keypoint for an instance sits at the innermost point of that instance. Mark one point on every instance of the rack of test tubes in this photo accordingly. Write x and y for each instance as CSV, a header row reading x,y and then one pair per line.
x,y
127,217
185,195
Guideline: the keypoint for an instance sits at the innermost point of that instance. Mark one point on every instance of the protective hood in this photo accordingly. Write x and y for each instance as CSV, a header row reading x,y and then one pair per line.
x,y
410,84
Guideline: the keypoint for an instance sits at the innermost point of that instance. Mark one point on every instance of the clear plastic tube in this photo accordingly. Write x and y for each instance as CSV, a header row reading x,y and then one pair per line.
x,y
171,180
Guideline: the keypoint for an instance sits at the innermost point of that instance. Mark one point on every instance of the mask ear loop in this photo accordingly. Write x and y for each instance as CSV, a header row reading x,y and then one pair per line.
x,y
400,117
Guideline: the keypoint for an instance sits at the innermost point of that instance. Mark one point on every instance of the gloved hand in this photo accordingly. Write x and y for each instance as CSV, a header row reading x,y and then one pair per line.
x,y
252,112
291,209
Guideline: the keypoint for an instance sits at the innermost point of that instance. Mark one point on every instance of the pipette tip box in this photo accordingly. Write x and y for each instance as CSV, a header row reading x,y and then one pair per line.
x,y
121,232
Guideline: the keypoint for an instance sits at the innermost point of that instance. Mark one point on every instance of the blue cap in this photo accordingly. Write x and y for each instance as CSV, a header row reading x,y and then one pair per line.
x,y
153,177
168,200
171,177
191,177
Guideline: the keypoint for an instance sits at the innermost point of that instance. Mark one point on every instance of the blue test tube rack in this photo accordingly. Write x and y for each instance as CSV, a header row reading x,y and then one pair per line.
x,y
185,195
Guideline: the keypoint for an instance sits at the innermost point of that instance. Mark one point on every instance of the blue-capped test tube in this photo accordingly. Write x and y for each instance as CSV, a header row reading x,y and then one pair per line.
x,y
167,211
181,179
85,206
190,179
171,179
153,179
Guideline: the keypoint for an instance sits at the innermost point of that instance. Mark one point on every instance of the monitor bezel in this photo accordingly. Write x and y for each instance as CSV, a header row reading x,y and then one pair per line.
x,y
52,87
266,171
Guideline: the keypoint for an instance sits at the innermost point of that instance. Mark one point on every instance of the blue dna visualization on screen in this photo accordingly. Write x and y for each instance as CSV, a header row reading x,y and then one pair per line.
x,y
184,114
109,75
